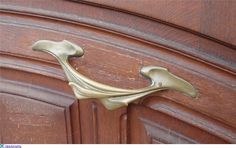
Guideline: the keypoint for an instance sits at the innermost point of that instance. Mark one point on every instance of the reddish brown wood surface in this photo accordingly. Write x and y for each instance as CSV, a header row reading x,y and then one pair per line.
x,y
213,18
146,30
35,95
149,126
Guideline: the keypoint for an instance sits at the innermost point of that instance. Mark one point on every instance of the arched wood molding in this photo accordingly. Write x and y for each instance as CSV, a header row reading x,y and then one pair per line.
x,y
157,34
132,42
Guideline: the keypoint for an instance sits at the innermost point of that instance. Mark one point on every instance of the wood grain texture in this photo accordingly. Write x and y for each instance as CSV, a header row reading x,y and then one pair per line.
x,y
98,125
204,122
117,44
213,18
21,93
75,123
27,118
33,108
123,129
143,29
126,73
149,126
106,55
39,123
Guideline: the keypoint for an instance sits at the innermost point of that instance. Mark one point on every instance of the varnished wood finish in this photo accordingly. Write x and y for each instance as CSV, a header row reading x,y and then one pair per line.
x,y
149,126
98,125
37,105
143,29
170,122
213,18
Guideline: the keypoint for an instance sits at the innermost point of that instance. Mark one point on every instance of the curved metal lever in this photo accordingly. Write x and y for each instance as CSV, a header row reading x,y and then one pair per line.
x,y
111,97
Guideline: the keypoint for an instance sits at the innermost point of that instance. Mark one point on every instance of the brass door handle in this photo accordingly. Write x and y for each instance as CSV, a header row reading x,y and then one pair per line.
x,y
111,97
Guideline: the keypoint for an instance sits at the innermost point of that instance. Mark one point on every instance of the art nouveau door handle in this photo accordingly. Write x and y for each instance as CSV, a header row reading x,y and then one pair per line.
x,y
111,97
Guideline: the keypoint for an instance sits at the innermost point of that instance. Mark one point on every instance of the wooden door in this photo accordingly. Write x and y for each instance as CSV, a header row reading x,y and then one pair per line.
x,y
193,39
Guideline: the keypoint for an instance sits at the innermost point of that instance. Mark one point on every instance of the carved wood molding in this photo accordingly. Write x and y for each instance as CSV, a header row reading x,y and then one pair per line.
x,y
156,33
158,126
183,113
125,50
186,15
34,107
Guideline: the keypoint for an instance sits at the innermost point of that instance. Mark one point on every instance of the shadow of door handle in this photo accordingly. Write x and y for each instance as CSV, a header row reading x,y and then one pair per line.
x,y
111,97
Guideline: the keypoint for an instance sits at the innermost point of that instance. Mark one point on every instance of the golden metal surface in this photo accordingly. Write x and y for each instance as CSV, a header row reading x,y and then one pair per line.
x,y
111,97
